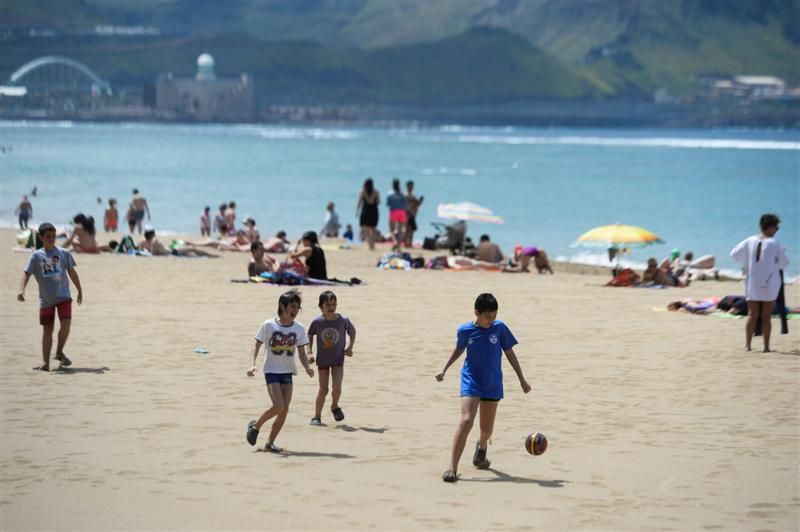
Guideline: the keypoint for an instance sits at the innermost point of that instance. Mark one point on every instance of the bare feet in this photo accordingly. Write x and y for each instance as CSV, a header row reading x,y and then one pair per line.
x,y
767,350
43,367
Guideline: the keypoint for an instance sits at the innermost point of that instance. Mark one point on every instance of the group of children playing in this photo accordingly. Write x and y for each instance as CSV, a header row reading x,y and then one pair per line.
x,y
484,340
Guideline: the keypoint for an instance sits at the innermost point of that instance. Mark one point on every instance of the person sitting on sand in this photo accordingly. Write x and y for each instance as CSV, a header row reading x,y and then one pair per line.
x,y
153,246
82,239
522,259
278,244
316,267
660,274
251,231
488,251
260,262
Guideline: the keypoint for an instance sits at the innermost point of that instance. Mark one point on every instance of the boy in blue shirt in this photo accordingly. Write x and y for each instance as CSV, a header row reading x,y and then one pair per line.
x,y
481,378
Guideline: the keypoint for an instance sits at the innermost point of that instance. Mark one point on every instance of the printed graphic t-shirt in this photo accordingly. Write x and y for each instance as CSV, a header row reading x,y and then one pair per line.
x,y
482,374
50,270
280,343
331,339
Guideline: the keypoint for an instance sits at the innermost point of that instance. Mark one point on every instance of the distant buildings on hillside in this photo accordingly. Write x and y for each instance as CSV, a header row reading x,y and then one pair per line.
x,y
205,97
743,87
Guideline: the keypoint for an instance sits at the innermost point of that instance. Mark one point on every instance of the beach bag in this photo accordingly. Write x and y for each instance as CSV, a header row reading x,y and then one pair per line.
x,y
126,245
33,241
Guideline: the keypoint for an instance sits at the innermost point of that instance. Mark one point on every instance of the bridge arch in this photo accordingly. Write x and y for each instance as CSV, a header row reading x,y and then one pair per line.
x,y
30,66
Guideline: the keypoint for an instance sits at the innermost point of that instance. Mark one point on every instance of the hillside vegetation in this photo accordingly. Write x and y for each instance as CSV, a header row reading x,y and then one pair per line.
x,y
418,51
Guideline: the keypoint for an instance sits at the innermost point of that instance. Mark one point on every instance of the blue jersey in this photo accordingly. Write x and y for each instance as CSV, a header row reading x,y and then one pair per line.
x,y
482,374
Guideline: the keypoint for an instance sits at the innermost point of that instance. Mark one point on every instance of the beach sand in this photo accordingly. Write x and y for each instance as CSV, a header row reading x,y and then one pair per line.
x,y
656,420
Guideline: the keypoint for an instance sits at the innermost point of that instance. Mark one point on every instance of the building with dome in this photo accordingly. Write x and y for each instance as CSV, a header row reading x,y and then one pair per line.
x,y
205,97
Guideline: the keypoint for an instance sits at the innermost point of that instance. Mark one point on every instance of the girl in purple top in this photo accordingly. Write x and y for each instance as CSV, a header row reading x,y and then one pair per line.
x,y
330,330
522,259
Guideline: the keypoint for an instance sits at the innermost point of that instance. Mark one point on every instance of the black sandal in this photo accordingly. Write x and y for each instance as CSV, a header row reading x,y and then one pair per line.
x,y
479,458
449,476
338,415
64,360
271,447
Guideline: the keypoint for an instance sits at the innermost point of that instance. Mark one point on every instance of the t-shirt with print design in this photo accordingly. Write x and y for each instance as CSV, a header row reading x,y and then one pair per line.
x,y
280,343
331,339
50,270
482,373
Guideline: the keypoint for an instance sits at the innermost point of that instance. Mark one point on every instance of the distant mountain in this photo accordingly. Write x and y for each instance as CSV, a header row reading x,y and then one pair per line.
x,y
410,50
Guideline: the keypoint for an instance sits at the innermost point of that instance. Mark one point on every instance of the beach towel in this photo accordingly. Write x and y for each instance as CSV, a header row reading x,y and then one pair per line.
x,y
626,277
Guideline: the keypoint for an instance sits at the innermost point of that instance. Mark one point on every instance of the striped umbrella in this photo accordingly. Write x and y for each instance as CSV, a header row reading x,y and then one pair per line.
x,y
467,211
617,237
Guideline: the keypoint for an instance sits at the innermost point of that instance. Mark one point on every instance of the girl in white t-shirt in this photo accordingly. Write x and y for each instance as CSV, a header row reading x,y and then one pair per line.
x,y
763,258
281,336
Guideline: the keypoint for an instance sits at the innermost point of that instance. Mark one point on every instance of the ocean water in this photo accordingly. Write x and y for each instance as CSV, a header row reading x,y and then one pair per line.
x,y
699,190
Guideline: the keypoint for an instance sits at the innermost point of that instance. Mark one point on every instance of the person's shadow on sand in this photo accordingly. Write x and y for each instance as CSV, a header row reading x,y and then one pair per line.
x,y
307,454
71,369
348,428
505,477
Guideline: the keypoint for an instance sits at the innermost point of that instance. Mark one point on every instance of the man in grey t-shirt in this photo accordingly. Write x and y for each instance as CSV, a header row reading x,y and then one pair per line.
x,y
53,268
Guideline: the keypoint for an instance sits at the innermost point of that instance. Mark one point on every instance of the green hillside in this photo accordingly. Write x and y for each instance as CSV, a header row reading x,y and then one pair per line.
x,y
406,51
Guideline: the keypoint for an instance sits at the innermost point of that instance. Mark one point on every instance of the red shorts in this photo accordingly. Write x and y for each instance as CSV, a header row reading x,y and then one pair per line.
x,y
398,215
47,315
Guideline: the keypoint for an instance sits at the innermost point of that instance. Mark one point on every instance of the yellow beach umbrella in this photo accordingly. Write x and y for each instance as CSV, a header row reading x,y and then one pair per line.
x,y
618,237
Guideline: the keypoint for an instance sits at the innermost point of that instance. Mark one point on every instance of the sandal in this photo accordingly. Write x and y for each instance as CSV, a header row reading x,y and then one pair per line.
x,y
64,360
338,415
479,458
316,421
252,432
449,476
271,447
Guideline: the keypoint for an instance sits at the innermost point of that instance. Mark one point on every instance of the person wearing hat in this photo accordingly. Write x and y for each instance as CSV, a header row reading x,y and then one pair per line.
x,y
53,268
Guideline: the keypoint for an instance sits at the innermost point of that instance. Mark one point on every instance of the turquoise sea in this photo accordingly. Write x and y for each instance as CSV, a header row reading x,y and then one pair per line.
x,y
699,190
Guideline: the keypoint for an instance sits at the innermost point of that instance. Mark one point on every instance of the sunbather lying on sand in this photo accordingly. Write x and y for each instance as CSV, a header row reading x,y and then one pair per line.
x,y
156,248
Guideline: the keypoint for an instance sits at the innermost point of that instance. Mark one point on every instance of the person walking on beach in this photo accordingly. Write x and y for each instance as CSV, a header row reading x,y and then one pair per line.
x,y
111,217
25,212
53,268
481,378
230,218
330,329
281,336
412,204
367,210
205,222
763,258
140,207
398,214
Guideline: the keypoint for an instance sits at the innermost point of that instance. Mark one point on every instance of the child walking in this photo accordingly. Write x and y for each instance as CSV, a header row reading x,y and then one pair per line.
x,y
481,378
282,336
330,329
53,267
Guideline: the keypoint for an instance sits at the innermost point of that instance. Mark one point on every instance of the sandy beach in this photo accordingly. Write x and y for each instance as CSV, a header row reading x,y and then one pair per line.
x,y
656,420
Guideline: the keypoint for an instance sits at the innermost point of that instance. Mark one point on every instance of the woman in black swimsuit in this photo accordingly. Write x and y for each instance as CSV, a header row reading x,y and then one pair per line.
x,y
316,266
368,206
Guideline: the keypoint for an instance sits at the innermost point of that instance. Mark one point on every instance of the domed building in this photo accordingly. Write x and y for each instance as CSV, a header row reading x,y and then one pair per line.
x,y
205,98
